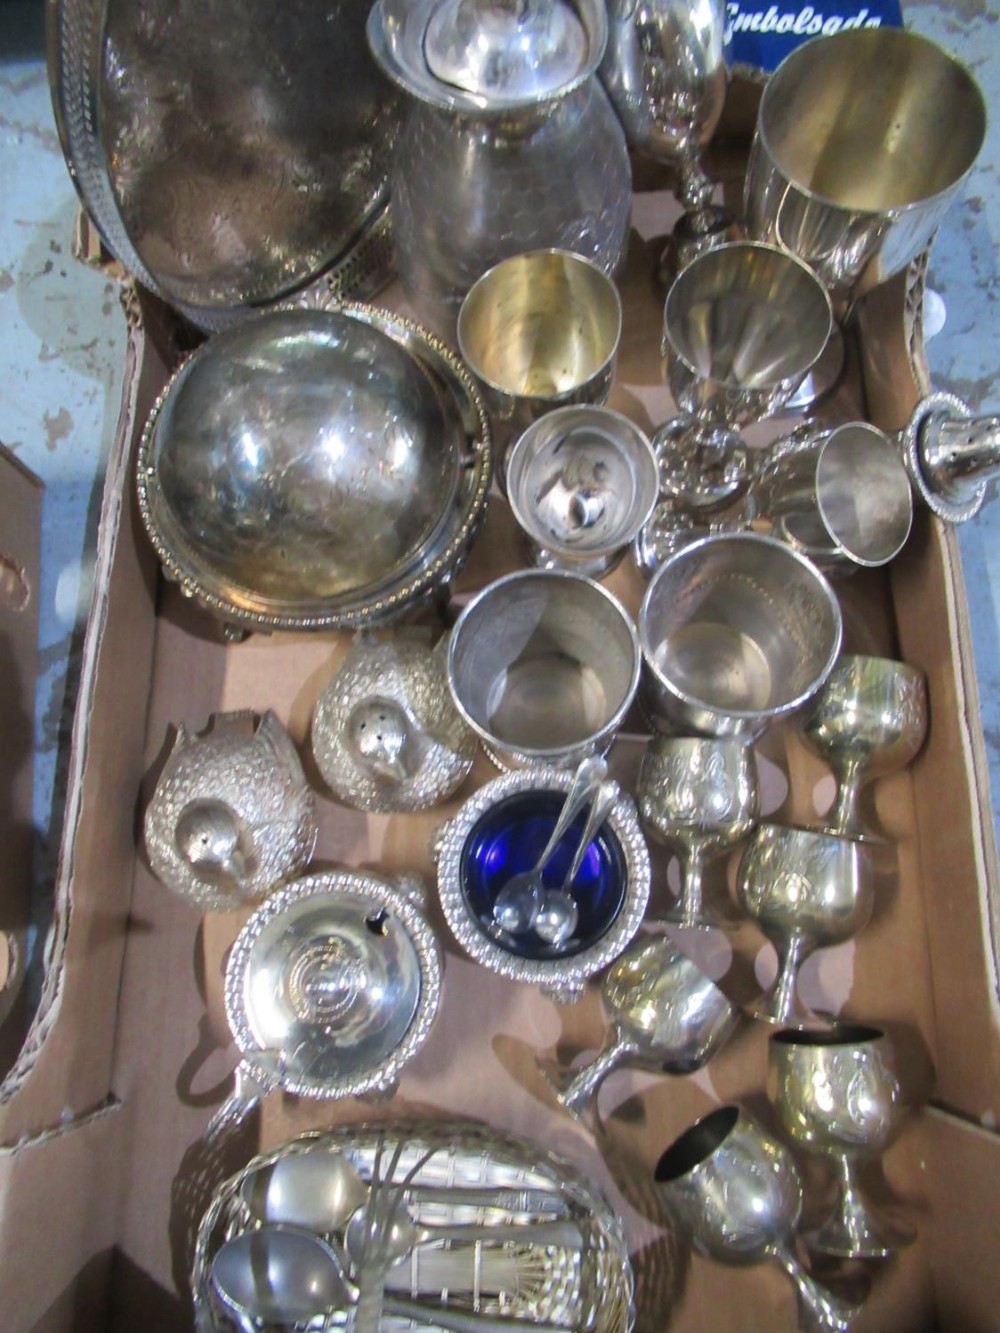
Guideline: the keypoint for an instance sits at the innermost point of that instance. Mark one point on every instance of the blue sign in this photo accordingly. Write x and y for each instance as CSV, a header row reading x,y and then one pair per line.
x,y
761,33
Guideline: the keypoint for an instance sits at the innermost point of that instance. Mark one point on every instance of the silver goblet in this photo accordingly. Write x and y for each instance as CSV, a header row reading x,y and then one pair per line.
x,y
665,70
863,139
869,719
666,1015
737,1194
806,889
838,1093
699,795
742,325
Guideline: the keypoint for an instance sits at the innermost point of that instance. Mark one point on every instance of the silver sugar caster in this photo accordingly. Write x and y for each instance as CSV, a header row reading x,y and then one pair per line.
x,y
508,142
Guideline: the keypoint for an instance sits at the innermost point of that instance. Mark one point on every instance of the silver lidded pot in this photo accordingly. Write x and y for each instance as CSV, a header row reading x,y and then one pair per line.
x,y
508,142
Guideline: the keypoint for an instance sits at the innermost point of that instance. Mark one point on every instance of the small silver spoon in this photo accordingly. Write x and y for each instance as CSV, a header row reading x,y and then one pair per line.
x,y
517,903
558,914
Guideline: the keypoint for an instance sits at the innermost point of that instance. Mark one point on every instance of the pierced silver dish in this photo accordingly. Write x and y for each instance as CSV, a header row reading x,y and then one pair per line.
x,y
315,469
447,1173
331,988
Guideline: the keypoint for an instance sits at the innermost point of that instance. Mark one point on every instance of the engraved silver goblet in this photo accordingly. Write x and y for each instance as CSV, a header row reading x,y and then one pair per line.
x,y
869,719
806,889
699,795
737,1194
665,70
742,325
838,1093
666,1015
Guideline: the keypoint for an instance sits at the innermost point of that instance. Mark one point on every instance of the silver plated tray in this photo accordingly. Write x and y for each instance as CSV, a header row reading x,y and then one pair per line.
x,y
227,153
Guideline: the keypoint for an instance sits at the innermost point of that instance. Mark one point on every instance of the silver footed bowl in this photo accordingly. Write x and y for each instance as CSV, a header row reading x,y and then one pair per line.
x,y
315,469
331,988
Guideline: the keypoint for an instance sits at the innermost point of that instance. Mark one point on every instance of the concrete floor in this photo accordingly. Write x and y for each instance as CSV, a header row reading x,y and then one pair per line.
x,y
62,342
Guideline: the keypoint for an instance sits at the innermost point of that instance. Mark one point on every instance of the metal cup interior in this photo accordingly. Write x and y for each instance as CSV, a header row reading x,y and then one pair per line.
x,y
857,131
543,665
544,327
581,482
847,502
736,630
742,324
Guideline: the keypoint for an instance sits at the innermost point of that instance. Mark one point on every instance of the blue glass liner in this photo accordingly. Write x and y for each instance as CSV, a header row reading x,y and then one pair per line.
x,y
509,838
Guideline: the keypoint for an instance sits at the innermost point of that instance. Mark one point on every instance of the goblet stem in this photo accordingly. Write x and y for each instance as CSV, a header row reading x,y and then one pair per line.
x,y
577,1094
780,1005
820,1311
695,193
843,817
853,1230
690,909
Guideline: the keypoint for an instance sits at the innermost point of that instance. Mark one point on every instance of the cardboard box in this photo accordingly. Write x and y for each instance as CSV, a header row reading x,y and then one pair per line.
x,y
104,1175
20,523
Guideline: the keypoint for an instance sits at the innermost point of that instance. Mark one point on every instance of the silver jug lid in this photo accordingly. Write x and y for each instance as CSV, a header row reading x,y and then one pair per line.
x,y
507,48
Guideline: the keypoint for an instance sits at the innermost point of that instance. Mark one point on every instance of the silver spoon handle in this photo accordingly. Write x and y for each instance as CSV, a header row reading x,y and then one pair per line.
x,y
588,776
604,799
456,1321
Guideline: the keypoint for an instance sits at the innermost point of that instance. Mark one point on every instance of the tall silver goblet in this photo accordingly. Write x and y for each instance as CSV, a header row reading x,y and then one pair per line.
x,y
665,70
869,719
838,1093
742,325
666,1015
806,889
736,1193
700,796
863,139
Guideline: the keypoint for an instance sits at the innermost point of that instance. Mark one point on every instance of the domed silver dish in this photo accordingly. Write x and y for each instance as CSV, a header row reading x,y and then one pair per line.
x,y
315,469
228,153
331,988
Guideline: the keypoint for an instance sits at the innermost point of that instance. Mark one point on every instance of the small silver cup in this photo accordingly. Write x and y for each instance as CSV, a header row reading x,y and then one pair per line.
x,y
540,330
841,496
736,631
543,665
581,482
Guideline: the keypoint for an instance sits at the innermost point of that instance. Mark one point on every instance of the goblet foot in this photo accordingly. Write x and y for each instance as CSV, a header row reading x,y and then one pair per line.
x,y
821,380
783,1010
692,235
856,1231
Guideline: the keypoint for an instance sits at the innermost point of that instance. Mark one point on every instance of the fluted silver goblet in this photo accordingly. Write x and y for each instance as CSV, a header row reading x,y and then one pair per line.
x,y
666,1015
700,796
806,889
736,1193
742,325
838,1093
665,70
868,720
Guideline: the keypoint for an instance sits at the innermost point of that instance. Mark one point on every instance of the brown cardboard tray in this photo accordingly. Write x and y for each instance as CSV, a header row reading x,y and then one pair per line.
x,y
103,1173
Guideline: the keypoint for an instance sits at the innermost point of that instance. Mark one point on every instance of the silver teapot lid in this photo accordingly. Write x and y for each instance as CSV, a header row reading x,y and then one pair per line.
x,y
510,48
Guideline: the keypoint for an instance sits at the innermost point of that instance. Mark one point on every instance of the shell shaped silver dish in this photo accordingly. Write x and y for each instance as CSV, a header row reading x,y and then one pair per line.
x,y
231,815
386,735
562,975
315,469
332,986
